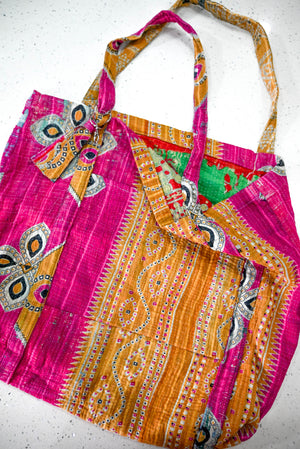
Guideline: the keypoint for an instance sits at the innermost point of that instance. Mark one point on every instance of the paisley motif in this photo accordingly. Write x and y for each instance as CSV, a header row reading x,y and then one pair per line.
x,y
215,236
245,305
21,267
95,185
50,127
209,432
41,287
190,194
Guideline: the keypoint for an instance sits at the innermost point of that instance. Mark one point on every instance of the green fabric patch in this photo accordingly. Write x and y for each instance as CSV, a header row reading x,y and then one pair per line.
x,y
171,184
215,183
176,160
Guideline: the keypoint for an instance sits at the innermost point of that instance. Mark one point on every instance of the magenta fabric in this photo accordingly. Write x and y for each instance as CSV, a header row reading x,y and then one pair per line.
x,y
71,226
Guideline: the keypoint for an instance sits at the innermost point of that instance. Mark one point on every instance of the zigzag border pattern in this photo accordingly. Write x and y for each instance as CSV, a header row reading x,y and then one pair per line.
x,y
280,267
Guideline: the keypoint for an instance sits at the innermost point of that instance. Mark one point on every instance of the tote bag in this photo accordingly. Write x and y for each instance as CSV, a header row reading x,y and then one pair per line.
x,y
130,298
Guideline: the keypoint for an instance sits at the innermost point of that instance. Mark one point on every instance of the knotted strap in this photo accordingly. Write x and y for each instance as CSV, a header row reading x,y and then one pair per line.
x,y
121,51
55,158
262,50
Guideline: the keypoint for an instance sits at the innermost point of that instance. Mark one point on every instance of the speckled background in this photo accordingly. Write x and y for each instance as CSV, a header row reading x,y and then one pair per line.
x,y
57,47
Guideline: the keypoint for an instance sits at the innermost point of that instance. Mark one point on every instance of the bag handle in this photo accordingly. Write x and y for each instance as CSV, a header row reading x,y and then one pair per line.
x,y
262,50
264,58
120,52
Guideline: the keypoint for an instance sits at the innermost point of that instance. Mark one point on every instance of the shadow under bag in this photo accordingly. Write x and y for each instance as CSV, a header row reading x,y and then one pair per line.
x,y
149,277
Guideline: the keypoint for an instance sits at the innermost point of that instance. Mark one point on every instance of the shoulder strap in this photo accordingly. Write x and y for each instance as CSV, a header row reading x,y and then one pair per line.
x,y
91,95
263,54
264,58
121,51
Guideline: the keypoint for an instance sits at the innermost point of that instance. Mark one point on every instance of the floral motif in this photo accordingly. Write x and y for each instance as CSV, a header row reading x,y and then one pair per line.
x,y
50,127
21,268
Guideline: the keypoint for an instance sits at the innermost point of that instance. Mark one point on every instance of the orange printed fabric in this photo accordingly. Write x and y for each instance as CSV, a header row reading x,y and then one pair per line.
x,y
137,291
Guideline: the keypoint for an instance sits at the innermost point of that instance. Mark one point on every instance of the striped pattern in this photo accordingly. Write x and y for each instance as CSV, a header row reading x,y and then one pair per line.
x,y
171,331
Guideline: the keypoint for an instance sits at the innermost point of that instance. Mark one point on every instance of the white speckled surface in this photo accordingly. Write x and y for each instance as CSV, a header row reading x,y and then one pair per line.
x,y
57,47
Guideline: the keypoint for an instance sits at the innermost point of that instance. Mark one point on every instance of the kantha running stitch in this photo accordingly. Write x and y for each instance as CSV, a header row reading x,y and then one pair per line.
x,y
149,276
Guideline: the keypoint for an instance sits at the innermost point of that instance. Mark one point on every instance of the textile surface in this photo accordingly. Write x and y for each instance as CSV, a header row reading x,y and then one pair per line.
x,y
138,291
